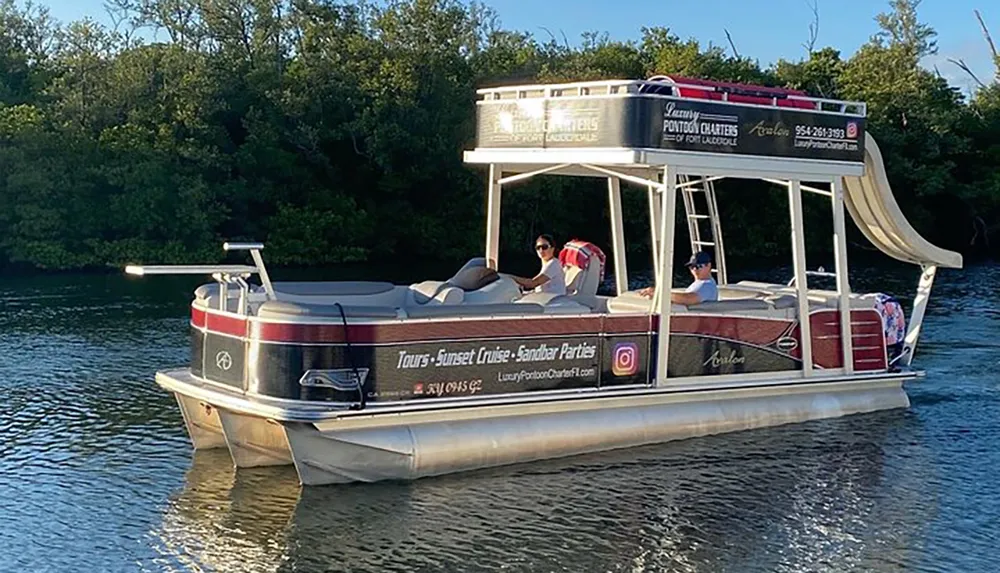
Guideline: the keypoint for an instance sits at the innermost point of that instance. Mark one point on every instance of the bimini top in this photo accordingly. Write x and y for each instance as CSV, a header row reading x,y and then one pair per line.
x,y
703,128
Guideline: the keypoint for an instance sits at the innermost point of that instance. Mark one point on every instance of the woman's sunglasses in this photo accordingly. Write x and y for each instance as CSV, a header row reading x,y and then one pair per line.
x,y
542,247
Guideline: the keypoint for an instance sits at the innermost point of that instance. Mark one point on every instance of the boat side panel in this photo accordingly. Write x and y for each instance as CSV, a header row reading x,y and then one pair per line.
x,y
406,360
866,333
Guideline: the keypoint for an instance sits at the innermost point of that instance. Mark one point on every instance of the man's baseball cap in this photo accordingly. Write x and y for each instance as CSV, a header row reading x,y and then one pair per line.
x,y
699,258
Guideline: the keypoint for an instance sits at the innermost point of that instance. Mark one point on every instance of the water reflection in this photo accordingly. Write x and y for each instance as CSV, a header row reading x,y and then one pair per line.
x,y
227,521
815,497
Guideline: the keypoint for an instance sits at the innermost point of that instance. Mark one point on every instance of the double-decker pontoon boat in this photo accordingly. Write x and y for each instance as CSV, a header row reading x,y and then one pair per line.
x,y
364,381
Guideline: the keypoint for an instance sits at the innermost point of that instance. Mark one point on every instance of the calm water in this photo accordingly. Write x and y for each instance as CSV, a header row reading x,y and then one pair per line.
x,y
96,473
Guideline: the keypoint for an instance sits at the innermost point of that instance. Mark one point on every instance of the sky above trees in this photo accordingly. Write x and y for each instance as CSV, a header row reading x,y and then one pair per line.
x,y
770,34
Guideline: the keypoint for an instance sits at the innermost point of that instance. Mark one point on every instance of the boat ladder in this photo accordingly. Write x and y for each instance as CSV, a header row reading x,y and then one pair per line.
x,y
693,188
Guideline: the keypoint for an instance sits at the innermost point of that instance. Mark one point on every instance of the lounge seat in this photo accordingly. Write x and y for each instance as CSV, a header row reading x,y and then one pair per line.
x,y
730,305
583,265
432,293
554,303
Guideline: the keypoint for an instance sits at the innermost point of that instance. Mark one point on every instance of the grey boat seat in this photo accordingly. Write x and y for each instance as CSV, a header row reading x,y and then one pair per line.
x,y
473,277
278,309
582,283
330,288
730,305
554,303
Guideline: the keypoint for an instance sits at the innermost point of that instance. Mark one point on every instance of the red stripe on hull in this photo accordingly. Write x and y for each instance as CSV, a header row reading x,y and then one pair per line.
x,y
197,317
400,332
749,330
226,324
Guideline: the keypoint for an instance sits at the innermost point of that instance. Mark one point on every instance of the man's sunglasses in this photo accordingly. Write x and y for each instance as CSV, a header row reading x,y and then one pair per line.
x,y
696,267
542,247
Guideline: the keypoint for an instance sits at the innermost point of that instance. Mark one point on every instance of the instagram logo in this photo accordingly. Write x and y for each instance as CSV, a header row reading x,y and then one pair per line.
x,y
852,130
625,359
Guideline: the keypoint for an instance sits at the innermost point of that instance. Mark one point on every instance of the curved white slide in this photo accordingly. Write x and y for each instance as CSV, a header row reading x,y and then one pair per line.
x,y
870,201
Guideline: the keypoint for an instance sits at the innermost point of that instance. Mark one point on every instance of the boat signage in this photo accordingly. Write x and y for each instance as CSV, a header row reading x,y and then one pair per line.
x,y
467,368
694,125
453,368
661,122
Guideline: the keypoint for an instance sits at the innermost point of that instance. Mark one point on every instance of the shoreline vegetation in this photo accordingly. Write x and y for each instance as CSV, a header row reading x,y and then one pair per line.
x,y
334,132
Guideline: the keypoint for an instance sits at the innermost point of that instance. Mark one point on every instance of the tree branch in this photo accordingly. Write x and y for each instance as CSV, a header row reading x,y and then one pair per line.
x,y
552,37
965,68
986,34
810,46
989,41
732,44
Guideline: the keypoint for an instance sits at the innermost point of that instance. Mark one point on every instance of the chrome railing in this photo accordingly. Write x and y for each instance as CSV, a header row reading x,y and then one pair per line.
x,y
642,87
225,275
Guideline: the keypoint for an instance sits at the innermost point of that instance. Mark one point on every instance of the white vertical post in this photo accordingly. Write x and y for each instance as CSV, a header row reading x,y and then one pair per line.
x,y
919,308
654,231
840,264
801,284
618,233
493,218
665,280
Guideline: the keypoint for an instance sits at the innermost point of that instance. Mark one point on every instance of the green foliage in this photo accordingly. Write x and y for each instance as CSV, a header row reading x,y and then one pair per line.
x,y
334,131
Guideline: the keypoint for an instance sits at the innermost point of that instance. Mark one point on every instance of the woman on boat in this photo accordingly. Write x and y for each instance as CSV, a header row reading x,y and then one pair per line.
x,y
550,279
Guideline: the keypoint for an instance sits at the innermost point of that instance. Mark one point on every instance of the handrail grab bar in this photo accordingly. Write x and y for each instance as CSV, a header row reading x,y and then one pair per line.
x,y
255,249
242,246
142,270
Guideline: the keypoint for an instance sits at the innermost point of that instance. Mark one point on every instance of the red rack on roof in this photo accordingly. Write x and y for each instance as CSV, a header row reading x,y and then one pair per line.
x,y
737,93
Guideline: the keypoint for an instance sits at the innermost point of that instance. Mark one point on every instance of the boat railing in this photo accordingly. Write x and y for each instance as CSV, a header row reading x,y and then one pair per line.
x,y
225,275
654,87
820,272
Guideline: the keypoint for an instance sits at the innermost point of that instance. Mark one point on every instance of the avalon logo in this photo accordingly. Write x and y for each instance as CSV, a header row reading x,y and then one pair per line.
x,y
223,360
787,343
718,359
341,379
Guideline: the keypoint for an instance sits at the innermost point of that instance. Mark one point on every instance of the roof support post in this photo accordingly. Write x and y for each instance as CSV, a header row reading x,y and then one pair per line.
x,y
493,217
654,231
801,283
618,233
668,206
919,308
840,268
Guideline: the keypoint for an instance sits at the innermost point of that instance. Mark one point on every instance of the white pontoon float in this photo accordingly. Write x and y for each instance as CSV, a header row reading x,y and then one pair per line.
x,y
364,381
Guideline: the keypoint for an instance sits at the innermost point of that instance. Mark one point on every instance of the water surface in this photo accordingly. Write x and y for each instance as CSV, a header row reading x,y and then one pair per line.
x,y
96,473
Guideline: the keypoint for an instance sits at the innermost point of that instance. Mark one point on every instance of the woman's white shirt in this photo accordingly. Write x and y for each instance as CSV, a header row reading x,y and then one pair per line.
x,y
557,279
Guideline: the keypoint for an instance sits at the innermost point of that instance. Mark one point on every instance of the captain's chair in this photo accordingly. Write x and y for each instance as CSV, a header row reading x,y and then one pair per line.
x,y
583,266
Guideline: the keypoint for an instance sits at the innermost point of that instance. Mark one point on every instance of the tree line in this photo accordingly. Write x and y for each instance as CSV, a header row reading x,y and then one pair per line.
x,y
334,131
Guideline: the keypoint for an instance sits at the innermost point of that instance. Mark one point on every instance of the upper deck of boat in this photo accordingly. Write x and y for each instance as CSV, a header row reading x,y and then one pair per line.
x,y
640,126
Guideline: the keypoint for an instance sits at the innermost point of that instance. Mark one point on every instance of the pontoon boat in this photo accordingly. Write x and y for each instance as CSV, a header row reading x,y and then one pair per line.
x,y
365,381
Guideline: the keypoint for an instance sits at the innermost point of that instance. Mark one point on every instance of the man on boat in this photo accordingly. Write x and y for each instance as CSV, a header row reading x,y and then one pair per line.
x,y
550,279
703,288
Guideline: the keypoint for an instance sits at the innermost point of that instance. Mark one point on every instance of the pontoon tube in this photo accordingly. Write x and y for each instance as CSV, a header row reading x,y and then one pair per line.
x,y
874,209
